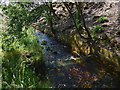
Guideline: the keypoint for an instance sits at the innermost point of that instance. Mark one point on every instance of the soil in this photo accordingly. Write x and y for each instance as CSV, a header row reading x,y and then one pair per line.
x,y
111,10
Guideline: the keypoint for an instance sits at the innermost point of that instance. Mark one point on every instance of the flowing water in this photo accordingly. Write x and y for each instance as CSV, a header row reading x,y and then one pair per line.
x,y
64,71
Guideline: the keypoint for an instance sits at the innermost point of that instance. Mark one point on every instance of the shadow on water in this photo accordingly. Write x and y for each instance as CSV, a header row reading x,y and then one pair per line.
x,y
40,69
65,70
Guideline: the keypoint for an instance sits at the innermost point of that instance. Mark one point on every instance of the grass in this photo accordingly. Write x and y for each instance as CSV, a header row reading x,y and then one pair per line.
x,y
103,19
1,55
16,70
98,29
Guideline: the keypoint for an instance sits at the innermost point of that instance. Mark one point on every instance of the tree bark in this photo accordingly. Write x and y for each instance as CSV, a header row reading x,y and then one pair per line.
x,y
71,15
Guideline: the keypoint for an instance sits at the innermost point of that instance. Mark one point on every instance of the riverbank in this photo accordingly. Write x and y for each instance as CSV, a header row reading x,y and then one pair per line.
x,y
65,70
107,42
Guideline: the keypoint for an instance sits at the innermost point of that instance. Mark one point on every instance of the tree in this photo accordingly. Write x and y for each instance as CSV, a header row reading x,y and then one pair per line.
x,y
80,23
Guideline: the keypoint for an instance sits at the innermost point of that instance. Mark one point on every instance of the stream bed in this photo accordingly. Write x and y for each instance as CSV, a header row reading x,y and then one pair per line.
x,y
64,71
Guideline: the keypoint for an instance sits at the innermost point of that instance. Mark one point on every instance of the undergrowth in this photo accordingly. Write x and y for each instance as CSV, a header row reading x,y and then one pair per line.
x,y
17,59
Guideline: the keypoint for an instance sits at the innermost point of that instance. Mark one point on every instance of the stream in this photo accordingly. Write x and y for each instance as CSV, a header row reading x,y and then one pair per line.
x,y
64,71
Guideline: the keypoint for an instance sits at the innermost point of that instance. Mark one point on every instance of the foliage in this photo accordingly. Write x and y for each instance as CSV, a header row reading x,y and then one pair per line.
x,y
21,15
103,19
20,49
98,29
16,71
22,57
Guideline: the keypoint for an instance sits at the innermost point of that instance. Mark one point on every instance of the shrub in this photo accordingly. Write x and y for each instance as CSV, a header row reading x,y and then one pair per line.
x,y
20,50
16,71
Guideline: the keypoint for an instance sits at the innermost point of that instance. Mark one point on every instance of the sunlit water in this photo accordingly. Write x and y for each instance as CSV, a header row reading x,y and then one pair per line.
x,y
63,71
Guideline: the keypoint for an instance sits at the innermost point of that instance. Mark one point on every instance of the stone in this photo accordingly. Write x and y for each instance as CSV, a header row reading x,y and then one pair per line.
x,y
55,52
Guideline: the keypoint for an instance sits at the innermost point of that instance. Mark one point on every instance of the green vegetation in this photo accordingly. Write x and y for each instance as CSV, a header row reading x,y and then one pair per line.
x,y
103,19
98,29
20,51
16,63
22,58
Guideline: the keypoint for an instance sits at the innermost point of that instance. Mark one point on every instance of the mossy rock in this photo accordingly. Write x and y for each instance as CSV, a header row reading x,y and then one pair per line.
x,y
44,42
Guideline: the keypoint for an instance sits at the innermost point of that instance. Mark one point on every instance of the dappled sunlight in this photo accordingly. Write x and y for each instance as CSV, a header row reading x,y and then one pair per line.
x,y
83,75
60,45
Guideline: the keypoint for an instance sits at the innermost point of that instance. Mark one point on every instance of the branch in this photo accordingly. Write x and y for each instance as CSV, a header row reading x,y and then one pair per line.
x,y
71,15
79,8
52,10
